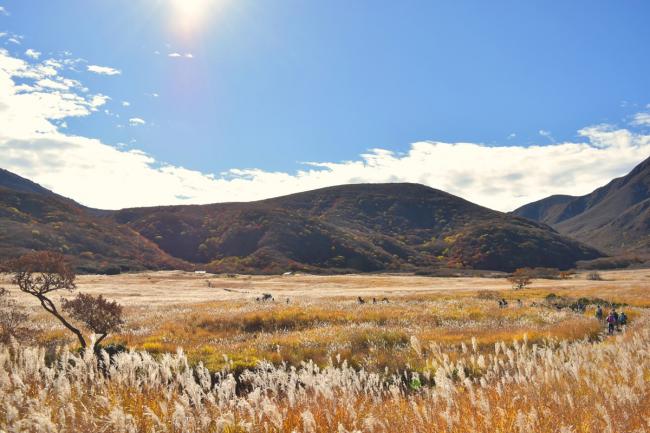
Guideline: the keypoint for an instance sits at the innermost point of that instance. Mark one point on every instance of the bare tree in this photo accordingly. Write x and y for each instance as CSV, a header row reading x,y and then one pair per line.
x,y
42,273
98,314
520,279
11,318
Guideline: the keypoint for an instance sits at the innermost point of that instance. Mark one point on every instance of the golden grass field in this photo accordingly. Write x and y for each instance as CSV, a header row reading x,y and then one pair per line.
x,y
440,355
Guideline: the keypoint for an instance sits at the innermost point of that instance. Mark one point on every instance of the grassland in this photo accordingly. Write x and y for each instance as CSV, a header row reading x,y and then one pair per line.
x,y
440,355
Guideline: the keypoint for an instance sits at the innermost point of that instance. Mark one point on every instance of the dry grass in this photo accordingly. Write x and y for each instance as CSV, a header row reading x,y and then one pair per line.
x,y
371,336
521,387
432,359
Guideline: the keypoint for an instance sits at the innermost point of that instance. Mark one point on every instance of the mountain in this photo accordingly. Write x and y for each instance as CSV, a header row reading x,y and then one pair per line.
x,y
35,218
614,218
367,227
364,227
13,182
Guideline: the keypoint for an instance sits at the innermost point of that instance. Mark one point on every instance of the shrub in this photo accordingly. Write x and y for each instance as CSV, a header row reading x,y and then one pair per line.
x,y
98,314
520,279
11,318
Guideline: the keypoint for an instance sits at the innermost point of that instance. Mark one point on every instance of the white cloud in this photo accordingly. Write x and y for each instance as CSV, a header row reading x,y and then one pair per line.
x,y
641,119
51,84
126,104
3,11
33,54
176,55
98,100
547,134
103,70
136,121
501,177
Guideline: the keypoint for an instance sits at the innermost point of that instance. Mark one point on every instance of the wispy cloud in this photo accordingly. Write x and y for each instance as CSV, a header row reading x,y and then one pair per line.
x,y
3,11
177,55
126,104
103,70
136,121
33,144
33,54
641,119
547,134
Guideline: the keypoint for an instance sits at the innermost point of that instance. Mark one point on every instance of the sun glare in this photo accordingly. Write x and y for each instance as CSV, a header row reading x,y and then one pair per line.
x,y
189,16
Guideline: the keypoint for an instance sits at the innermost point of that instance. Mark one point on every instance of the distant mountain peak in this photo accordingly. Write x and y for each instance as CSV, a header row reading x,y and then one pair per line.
x,y
613,217
17,183
345,228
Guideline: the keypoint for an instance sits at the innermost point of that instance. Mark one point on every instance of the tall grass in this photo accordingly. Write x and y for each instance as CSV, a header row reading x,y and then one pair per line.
x,y
557,387
373,337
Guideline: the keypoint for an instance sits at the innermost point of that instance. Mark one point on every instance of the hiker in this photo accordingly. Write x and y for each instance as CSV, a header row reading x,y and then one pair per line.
x,y
374,300
622,318
503,303
360,300
611,322
521,304
599,313
618,328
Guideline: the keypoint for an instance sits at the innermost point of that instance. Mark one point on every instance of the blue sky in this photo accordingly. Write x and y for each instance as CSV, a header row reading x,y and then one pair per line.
x,y
269,85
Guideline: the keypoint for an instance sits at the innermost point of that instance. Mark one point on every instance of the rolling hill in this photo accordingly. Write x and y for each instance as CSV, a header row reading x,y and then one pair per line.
x,y
614,218
366,227
35,218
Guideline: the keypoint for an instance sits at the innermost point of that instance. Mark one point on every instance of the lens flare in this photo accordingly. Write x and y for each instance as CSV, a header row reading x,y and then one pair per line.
x,y
189,16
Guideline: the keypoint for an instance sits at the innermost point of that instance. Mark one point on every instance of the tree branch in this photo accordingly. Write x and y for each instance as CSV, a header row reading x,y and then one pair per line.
x,y
49,306
99,340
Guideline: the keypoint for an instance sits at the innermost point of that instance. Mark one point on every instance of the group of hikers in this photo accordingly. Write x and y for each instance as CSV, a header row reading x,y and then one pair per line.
x,y
614,319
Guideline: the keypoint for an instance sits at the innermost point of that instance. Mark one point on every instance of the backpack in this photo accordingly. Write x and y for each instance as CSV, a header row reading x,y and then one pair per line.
x,y
611,319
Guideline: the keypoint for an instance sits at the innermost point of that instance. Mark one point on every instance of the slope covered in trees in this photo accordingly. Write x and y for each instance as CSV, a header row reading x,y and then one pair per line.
x,y
367,227
614,218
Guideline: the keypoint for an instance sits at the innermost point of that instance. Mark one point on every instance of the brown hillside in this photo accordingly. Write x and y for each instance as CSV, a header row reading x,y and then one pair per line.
x,y
368,227
34,218
613,218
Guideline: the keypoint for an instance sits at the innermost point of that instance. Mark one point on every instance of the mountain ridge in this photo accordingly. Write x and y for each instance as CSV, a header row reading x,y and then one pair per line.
x,y
35,218
372,226
345,228
613,217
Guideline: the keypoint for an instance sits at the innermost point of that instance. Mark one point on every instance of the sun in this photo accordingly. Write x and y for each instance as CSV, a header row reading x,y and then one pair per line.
x,y
189,16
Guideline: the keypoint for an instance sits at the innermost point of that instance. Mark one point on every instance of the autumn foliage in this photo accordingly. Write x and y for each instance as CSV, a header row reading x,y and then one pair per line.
x,y
43,272
520,279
